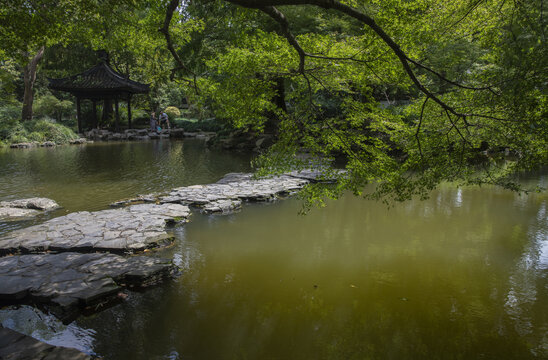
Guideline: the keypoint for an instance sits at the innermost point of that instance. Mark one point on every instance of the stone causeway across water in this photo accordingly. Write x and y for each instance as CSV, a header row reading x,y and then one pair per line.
x,y
65,265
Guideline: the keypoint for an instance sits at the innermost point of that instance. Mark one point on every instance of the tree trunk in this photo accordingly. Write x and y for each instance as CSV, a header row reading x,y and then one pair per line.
x,y
273,124
29,75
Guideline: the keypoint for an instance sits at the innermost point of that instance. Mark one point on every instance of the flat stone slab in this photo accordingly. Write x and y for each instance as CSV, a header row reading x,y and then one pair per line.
x,y
225,206
25,208
247,189
134,228
68,284
17,346
227,194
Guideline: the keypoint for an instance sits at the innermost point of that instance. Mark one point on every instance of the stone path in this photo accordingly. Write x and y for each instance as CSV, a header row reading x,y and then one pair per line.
x,y
17,346
68,284
25,208
134,228
227,194
77,279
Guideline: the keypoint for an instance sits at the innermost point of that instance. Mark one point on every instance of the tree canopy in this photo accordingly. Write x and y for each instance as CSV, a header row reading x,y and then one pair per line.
x,y
403,94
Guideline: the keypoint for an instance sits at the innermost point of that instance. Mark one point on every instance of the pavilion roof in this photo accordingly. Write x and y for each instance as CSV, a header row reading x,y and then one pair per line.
x,y
98,82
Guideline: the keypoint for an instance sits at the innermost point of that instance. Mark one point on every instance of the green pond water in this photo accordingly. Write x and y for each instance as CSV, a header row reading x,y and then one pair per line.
x,y
463,275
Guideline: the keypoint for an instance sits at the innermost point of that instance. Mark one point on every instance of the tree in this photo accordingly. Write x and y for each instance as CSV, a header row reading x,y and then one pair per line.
x,y
485,95
27,28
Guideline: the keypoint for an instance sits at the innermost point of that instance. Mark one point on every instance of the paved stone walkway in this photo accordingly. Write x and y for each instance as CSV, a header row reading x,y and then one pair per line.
x,y
68,284
227,194
77,279
249,190
134,228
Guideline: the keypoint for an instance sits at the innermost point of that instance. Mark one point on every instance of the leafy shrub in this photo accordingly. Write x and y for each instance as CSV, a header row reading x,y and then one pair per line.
x,y
193,125
13,131
36,136
18,138
57,133
49,105
172,112
10,111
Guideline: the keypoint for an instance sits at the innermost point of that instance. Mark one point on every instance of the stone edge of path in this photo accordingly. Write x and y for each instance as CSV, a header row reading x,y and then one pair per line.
x,y
227,204
68,285
14,345
131,229
26,208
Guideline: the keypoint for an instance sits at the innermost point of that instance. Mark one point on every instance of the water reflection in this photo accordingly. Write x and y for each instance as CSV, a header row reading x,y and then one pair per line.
x,y
33,322
91,177
354,280
459,276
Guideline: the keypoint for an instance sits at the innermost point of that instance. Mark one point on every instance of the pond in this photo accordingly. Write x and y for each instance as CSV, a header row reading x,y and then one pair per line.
x,y
463,275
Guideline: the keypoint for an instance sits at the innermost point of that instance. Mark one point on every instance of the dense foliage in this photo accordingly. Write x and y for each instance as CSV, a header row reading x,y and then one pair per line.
x,y
405,94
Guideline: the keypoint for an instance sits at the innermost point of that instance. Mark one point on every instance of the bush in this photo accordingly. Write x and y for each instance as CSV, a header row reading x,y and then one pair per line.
x,y
10,111
57,133
49,105
193,125
172,112
13,131
36,136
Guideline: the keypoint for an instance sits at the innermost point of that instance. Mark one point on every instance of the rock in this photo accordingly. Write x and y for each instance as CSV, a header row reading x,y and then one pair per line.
x,y
25,208
235,177
48,144
14,345
130,229
153,135
78,141
22,145
116,137
69,284
7,213
141,199
36,203
224,206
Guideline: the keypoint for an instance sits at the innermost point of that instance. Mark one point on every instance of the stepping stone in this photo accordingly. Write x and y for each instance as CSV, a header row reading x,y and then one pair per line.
x,y
242,188
69,284
130,229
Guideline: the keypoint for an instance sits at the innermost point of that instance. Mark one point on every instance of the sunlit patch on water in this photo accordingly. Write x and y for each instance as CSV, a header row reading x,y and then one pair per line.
x,y
460,275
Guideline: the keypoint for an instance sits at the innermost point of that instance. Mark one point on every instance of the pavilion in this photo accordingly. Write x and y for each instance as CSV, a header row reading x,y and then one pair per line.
x,y
100,82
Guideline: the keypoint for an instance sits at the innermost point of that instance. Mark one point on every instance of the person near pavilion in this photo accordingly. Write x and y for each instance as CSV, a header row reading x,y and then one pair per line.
x,y
153,121
164,119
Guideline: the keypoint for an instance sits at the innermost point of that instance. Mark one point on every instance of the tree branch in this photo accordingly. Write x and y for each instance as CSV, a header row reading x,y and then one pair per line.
x,y
267,6
172,6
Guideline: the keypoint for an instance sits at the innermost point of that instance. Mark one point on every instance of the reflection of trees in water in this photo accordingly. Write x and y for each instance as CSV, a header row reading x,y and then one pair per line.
x,y
528,284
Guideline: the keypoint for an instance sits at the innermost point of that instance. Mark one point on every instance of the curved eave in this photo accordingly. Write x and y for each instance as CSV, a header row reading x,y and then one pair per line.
x,y
100,79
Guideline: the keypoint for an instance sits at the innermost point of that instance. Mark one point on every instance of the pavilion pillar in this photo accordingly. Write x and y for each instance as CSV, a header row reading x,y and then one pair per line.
x,y
94,114
79,115
129,112
117,113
